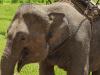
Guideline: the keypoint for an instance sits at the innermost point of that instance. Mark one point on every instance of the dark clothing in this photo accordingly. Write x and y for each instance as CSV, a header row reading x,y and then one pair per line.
x,y
85,2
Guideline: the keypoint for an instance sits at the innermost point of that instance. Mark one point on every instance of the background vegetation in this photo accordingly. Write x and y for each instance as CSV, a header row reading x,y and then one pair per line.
x,y
25,1
7,11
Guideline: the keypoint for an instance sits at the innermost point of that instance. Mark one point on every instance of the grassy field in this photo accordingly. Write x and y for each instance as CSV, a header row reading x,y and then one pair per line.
x,y
7,11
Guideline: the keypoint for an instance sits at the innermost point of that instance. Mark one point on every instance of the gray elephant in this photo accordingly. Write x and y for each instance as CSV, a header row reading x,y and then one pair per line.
x,y
55,34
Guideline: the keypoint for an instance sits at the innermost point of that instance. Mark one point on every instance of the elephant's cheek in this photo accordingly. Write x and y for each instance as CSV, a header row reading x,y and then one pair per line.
x,y
41,52
39,48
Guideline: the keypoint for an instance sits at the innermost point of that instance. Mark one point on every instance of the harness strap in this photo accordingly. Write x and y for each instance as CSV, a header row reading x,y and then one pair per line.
x,y
91,11
52,51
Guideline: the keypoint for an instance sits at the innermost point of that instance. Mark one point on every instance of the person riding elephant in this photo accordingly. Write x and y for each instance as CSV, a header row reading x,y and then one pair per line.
x,y
82,2
84,6
87,3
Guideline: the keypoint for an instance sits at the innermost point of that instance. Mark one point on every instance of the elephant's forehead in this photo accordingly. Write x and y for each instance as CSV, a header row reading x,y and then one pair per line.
x,y
18,26
13,27
22,27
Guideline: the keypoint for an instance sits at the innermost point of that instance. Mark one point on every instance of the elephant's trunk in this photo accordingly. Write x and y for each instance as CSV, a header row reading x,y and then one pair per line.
x,y
7,66
9,59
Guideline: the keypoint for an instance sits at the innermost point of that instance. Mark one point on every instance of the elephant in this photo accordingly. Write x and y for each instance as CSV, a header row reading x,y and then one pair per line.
x,y
55,34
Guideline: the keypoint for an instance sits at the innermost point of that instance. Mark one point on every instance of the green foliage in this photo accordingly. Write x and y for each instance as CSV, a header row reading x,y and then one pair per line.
x,y
14,1
96,1
1,1
25,1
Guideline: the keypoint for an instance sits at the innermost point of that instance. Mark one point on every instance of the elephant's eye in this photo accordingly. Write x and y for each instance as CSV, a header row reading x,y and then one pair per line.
x,y
9,36
21,36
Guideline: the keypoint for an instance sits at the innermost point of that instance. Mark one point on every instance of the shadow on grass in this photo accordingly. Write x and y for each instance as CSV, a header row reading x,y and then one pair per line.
x,y
2,33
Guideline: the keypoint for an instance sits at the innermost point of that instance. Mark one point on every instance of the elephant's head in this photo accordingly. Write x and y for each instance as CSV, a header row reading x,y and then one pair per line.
x,y
31,33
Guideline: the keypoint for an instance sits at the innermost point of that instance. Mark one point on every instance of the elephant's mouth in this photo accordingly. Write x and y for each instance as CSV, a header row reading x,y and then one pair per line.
x,y
28,55
22,58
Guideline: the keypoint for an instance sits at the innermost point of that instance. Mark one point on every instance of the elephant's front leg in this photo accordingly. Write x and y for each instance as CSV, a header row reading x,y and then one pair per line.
x,y
96,72
9,59
80,59
46,69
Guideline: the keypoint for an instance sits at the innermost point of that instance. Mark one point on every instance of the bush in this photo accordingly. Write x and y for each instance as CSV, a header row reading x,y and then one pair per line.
x,y
14,1
1,1
24,1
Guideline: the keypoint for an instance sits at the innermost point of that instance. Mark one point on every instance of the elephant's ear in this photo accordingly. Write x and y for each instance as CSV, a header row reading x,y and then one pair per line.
x,y
59,30
36,20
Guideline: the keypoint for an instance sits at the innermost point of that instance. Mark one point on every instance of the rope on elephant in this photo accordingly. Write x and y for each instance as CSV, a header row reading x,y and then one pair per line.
x,y
54,50
91,11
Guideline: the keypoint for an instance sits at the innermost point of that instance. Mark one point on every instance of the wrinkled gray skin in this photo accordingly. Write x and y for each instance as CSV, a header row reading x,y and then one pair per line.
x,y
55,34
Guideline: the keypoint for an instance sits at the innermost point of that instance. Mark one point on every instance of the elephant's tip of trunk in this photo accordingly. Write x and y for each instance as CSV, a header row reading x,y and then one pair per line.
x,y
19,67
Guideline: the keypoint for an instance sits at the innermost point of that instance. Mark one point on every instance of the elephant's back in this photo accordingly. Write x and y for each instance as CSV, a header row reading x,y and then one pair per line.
x,y
63,7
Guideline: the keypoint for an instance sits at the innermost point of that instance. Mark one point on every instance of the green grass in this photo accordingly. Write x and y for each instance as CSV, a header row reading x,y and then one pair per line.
x,y
7,12
96,1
